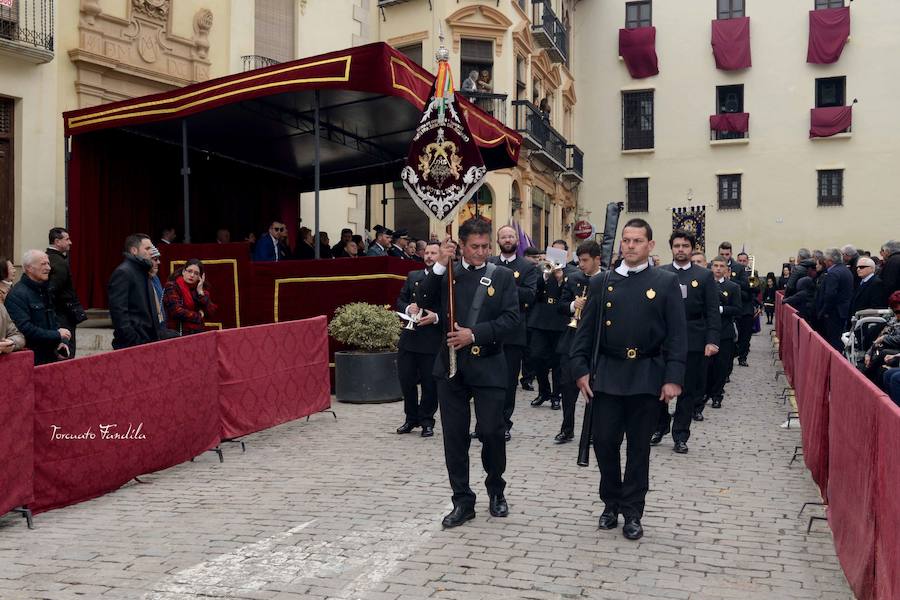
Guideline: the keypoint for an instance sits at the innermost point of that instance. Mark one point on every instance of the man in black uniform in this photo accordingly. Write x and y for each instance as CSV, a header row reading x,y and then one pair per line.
x,y
740,276
532,256
729,308
572,302
701,308
487,316
547,324
417,348
634,336
526,276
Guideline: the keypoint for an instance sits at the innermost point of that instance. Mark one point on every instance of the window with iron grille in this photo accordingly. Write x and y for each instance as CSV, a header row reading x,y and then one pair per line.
x,y
821,4
831,91
729,192
731,9
637,120
477,55
274,29
638,14
413,52
729,99
638,194
831,187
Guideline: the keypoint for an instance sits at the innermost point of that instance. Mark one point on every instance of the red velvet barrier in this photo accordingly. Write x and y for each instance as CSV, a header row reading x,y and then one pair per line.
x,y
852,429
813,386
829,121
739,122
731,43
160,399
638,49
16,423
788,343
779,314
828,32
270,374
887,501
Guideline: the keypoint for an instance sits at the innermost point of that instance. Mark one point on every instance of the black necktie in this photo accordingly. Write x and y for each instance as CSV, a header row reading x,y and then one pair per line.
x,y
630,273
471,267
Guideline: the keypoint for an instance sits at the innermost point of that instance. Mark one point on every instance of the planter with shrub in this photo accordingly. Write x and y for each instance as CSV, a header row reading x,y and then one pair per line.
x,y
367,373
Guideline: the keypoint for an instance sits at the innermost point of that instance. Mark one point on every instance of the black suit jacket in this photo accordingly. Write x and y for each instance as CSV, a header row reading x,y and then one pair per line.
x,y
131,306
424,339
497,323
837,292
868,295
701,307
65,300
526,276
575,285
741,276
543,314
644,312
730,300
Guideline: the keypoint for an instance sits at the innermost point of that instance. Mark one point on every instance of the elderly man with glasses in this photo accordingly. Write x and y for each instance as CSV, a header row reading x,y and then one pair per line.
x,y
870,293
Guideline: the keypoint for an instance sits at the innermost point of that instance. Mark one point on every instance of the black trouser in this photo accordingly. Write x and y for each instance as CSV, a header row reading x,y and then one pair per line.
x,y
66,322
691,399
745,332
513,362
613,418
834,327
453,396
718,370
414,368
546,360
527,361
770,312
569,399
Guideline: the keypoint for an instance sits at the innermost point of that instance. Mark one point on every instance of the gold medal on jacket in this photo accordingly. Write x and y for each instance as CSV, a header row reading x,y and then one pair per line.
x,y
695,283
490,290
651,294
516,274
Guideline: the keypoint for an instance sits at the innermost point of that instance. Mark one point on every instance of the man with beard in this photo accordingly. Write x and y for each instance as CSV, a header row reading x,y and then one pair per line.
x,y
526,277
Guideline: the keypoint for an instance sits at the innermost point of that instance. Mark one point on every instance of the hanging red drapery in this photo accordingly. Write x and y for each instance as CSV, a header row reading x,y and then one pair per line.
x,y
638,48
829,121
828,32
736,122
731,43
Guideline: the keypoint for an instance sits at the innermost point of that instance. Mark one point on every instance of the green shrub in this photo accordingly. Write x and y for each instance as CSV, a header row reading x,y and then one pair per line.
x,y
366,327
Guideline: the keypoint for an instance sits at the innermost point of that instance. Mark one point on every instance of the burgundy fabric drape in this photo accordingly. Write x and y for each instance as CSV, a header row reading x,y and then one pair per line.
x,y
788,343
738,122
271,374
165,392
828,32
829,121
638,48
887,501
813,387
852,423
731,43
16,424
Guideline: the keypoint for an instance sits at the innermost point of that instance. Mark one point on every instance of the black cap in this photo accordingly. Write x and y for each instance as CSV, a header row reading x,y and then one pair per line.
x,y
401,233
532,251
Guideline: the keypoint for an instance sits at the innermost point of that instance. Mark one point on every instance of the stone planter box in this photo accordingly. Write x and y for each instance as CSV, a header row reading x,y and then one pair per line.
x,y
366,377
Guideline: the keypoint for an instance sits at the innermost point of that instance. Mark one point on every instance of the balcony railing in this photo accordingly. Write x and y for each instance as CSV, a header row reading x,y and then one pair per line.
x,y
492,104
26,29
255,61
574,162
538,135
549,32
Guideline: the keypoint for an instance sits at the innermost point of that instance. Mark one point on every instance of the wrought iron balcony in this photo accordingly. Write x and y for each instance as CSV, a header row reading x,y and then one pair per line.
x,y
26,30
574,164
255,61
546,144
549,32
492,104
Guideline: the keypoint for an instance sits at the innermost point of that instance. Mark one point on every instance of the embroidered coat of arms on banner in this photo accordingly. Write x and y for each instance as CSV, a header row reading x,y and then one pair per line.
x,y
444,167
692,219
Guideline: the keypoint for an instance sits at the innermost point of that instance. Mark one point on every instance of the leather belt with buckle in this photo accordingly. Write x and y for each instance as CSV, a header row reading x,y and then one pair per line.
x,y
551,300
475,350
630,353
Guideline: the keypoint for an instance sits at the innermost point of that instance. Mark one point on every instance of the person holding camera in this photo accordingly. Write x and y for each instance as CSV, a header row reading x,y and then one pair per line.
x,y
69,311
187,300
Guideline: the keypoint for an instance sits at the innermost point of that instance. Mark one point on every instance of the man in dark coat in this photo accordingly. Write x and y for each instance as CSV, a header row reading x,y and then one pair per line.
x,y
890,267
381,243
701,308
133,306
729,296
804,263
270,246
30,306
837,293
486,317
547,325
69,312
526,277
870,292
633,336
417,349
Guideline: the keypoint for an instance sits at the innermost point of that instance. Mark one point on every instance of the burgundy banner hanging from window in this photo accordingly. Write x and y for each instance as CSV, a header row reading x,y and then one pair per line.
x,y
829,121
638,48
828,32
731,43
737,122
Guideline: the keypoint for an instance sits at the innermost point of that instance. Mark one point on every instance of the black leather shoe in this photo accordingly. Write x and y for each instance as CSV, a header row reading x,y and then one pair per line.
x,y
609,519
507,436
717,403
681,447
698,416
656,438
632,529
406,427
539,400
498,507
458,516
526,385
427,431
564,436
555,402
743,362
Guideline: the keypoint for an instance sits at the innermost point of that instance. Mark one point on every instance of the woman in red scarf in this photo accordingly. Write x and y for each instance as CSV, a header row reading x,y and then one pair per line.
x,y
186,300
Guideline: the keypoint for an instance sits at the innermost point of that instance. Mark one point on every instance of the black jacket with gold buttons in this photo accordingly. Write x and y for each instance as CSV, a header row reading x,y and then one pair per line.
x,y
425,339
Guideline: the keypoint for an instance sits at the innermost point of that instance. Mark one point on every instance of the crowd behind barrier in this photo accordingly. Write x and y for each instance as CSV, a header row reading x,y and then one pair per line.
x,y
851,445
78,429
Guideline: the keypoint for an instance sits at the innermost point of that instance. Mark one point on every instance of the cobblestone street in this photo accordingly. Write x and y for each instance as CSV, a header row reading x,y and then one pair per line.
x,y
348,509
